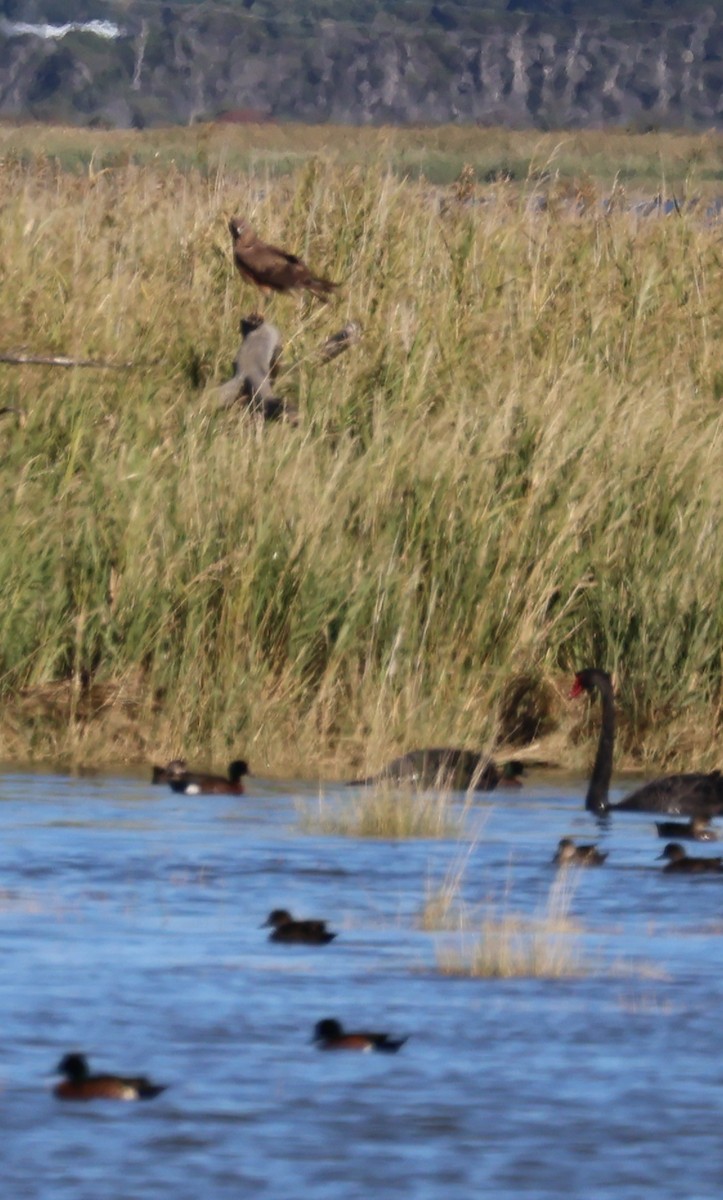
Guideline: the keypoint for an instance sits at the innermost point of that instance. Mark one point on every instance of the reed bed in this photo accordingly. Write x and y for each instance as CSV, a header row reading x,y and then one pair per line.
x,y
546,945
656,160
443,907
516,473
386,812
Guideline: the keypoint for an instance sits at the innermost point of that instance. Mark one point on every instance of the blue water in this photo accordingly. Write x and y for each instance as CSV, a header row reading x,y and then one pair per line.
x,y
129,929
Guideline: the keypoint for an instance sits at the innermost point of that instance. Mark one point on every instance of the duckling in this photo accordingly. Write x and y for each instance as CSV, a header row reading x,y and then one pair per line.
x,y
680,862
301,933
568,855
697,829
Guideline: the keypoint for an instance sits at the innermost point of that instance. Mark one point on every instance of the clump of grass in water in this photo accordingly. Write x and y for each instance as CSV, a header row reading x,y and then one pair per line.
x,y
386,812
442,905
440,910
514,945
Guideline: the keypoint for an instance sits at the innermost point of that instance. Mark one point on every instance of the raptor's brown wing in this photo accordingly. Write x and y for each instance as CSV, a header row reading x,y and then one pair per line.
x,y
268,266
271,267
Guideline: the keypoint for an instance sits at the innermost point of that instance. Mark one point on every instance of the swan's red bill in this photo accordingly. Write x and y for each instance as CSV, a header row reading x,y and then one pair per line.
x,y
577,688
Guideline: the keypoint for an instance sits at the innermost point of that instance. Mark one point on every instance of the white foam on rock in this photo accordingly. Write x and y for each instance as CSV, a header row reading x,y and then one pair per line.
x,y
103,29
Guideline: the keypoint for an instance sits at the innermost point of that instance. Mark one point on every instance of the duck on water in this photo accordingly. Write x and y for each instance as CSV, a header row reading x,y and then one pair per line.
x,y
570,855
302,933
79,1084
690,795
194,783
681,863
329,1035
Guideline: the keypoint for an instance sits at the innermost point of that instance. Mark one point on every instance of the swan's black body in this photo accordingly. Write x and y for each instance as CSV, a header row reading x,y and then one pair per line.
x,y
692,795
696,830
450,768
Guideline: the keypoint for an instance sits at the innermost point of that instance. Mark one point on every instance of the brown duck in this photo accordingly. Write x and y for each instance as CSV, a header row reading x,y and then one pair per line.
x,y
79,1084
329,1035
570,855
175,769
196,783
681,863
300,933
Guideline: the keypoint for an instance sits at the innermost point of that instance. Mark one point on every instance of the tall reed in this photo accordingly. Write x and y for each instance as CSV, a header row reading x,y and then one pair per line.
x,y
388,812
509,945
515,473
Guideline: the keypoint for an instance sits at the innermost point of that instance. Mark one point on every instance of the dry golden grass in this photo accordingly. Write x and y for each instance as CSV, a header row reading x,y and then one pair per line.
x,y
516,472
385,811
509,945
443,908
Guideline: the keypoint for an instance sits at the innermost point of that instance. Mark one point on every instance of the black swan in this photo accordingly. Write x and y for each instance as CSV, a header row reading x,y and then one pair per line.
x,y
447,767
570,855
697,829
694,795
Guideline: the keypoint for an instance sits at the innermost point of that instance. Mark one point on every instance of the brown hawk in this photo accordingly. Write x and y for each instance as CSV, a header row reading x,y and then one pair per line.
x,y
272,269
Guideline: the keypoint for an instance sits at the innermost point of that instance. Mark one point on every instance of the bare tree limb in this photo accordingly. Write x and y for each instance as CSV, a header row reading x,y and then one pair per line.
x,y
59,360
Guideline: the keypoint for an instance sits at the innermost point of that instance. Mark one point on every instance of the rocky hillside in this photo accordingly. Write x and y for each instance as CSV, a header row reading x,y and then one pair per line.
x,y
547,63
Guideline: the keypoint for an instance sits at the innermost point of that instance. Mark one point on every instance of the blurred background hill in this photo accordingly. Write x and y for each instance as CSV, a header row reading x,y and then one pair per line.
x,y
644,64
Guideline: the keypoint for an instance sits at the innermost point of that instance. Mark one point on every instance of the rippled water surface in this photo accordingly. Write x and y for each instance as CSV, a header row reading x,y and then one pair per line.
x,y
129,928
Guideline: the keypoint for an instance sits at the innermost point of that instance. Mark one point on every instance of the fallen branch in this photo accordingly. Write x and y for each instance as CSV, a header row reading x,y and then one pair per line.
x,y
59,360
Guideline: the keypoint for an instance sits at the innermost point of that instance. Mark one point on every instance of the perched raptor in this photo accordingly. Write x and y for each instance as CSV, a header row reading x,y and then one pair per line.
x,y
270,268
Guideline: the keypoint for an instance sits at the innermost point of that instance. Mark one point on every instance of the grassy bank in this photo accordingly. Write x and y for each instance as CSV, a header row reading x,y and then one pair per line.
x,y
650,161
518,471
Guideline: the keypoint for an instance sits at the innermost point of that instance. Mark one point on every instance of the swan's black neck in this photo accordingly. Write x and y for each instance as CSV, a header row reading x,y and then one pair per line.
x,y
599,787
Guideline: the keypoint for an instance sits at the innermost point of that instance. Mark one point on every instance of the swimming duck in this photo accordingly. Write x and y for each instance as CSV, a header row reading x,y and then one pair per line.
x,y
79,1084
687,795
329,1035
568,855
175,769
301,933
450,768
679,861
697,829
196,783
